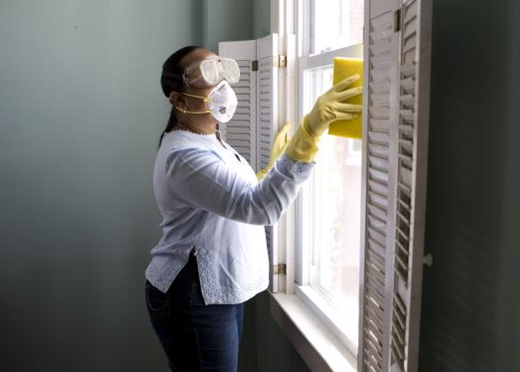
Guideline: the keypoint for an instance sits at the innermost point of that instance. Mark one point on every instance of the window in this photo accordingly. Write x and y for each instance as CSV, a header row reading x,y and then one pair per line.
x,y
330,204
336,24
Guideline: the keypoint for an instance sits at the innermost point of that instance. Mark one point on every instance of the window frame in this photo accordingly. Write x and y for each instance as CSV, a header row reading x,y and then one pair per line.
x,y
311,297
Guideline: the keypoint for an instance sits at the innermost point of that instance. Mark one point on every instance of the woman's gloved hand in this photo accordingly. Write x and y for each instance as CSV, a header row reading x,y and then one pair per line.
x,y
279,144
328,108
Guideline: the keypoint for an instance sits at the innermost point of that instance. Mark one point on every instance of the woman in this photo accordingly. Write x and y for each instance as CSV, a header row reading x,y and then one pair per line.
x,y
212,256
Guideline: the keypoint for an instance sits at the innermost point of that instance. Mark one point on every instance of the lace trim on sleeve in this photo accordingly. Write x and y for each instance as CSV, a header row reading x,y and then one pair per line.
x,y
296,167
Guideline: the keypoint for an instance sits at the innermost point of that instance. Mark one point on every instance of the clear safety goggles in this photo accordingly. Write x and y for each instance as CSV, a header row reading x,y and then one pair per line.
x,y
211,71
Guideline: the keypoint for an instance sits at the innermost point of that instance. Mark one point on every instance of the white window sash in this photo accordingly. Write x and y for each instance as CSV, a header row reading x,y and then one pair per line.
x,y
313,297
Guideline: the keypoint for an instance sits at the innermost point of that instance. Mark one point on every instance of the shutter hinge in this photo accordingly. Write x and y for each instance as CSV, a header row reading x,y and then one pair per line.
x,y
280,269
280,61
397,20
254,65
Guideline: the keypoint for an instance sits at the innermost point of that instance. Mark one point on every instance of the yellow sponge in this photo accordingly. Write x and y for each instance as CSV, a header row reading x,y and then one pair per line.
x,y
343,68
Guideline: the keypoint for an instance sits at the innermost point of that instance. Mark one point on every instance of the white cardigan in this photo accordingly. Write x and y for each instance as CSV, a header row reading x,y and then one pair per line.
x,y
210,199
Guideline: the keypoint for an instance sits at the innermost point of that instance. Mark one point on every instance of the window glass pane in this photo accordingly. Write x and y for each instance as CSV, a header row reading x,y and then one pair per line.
x,y
337,245
335,202
337,23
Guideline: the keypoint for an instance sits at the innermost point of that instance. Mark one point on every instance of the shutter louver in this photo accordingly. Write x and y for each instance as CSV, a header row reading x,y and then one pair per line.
x,y
240,131
265,120
397,65
378,191
410,192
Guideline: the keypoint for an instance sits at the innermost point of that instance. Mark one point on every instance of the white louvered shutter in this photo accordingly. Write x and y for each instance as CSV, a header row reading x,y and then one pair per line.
x,y
240,132
379,127
267,127
412,152
255,123
397,62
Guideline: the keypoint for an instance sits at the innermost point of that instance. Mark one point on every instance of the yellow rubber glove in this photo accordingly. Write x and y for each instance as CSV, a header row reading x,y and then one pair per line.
x,y
327,109
279,144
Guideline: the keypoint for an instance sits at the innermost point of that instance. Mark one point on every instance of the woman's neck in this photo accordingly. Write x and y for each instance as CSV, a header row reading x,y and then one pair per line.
x,y
198,128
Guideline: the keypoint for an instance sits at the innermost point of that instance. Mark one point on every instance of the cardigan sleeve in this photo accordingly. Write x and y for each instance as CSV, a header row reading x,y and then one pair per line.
x,y
200,179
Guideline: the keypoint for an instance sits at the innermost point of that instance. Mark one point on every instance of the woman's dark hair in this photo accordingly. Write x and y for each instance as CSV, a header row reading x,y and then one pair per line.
x,y
171,80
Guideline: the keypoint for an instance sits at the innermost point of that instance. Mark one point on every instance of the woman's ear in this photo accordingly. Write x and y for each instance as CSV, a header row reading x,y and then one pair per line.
x,y
177,100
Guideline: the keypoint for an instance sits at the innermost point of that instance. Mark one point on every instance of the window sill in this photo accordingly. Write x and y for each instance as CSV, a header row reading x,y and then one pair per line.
x,y
317,346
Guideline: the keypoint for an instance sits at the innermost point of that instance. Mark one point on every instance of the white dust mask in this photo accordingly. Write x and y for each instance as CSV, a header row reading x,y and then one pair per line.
x,y
222,102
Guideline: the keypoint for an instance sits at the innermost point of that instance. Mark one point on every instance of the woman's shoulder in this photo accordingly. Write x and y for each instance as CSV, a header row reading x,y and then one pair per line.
x,y
187,148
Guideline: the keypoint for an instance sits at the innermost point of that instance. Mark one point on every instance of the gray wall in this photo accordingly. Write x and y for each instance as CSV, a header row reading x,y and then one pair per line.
x,y
262,18
80,114
470,317
226,20
231,20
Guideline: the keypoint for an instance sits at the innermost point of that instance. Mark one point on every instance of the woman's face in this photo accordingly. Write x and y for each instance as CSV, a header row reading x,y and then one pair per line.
x,y
191,103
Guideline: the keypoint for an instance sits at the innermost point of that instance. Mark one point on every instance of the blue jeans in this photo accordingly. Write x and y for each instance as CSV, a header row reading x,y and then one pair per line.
x,y
195,336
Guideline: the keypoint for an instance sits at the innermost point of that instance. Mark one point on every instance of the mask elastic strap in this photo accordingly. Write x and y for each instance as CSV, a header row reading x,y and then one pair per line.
x,y
205,99
192,112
